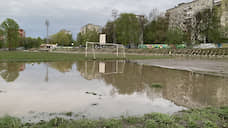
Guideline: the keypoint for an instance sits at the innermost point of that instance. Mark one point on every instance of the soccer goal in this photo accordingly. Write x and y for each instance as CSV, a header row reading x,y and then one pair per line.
x,y
104,49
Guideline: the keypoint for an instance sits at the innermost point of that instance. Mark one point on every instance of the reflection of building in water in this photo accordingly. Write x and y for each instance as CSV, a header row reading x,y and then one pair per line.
x,y
94,69
182,87
121,78
111,67
102,67
22,67
189,89
10,71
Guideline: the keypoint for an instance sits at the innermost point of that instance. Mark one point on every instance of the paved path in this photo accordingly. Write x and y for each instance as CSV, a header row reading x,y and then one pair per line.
x,y
203,65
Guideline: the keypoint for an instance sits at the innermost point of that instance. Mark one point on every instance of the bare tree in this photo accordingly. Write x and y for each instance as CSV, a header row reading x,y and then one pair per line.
x,y
154,14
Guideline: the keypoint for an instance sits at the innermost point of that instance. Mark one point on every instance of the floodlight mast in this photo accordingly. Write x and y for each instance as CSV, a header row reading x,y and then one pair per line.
x,y
114,15
47,25
47,41
141,20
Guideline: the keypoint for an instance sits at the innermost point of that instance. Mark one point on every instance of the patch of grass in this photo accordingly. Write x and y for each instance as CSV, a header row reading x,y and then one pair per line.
x,y
156,86
113,123
16,56
202,118
195,118
209,124
69,113
10,122
133,120
151,124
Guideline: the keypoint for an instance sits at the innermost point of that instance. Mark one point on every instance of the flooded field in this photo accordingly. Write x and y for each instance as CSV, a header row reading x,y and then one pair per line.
x,y
95,89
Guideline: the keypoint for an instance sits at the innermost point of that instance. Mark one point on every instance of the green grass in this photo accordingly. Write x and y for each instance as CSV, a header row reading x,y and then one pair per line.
x,y
195,118
156,86
16,56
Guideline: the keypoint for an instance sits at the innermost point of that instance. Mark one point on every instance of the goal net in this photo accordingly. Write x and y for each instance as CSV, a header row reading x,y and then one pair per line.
x,y
104,50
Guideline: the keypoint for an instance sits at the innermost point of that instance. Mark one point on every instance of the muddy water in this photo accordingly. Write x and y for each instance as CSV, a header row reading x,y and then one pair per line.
x,y
93,89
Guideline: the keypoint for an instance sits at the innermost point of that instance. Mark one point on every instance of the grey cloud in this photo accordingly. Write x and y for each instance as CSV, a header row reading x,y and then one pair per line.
x,y
72,14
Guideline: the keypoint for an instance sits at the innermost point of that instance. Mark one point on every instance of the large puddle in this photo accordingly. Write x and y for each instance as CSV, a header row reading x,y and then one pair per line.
x,y
94,89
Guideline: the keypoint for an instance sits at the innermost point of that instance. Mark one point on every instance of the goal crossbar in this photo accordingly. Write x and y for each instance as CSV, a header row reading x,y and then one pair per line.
x,y
105,44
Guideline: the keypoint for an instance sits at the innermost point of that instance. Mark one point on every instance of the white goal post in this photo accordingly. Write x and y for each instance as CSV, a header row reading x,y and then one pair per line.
x,y
103,43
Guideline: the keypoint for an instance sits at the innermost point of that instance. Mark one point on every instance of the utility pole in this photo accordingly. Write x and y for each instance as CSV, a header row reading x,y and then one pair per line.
x,y
47,41
47,25
114,15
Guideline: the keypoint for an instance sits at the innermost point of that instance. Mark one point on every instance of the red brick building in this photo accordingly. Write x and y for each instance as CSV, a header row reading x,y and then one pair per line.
x,y
21,32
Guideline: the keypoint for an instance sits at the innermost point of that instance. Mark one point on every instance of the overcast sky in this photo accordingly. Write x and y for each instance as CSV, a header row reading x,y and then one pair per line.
x,y
73,14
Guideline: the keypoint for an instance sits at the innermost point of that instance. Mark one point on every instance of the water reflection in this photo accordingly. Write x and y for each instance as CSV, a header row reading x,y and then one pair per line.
x,y
182,87
94,69
120,85
61,66
10,71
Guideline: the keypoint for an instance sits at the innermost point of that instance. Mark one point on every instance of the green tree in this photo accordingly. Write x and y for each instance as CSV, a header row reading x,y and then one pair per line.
x,y
1,38
208,25
62,38
175,36
108,30
128,29
215,33
30,42
10,29
80,39
156,30
90,36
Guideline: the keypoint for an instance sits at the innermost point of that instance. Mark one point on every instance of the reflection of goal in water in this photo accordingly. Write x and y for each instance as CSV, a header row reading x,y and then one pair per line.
x,y
102,47
104,67
116,68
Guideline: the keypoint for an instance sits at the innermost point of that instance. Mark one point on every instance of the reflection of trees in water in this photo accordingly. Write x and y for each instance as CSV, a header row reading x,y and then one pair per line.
x,y
182,87
153,93
88,69
192,89
10,71
128,82
61,66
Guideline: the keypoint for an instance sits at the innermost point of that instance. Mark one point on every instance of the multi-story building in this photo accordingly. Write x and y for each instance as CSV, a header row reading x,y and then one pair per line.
x,y
224,16
183,16
90,27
